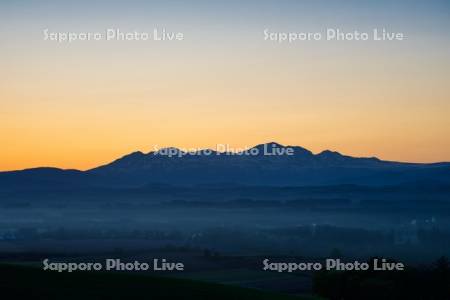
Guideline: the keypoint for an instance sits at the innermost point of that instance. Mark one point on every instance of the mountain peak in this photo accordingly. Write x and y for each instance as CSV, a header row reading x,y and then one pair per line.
x,y
272,147
268,145
329,154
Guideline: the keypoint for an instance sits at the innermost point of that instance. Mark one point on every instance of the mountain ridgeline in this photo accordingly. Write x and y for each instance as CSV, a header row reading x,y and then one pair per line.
x,y
268,164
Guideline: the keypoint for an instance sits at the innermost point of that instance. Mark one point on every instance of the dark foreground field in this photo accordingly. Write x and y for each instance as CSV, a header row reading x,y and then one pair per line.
x,y
19,282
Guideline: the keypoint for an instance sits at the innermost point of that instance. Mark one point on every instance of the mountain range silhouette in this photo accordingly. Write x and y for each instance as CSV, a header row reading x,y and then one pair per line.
x,y
300,168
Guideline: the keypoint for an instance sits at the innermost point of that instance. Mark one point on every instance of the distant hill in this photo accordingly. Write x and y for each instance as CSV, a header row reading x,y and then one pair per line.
x,y
268,164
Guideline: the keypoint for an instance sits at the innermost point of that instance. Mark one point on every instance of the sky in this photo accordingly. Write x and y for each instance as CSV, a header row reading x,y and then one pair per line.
x,y
85,103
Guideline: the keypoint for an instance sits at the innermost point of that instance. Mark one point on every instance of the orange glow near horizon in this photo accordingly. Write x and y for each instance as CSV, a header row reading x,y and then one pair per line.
x,y
85,104
72,117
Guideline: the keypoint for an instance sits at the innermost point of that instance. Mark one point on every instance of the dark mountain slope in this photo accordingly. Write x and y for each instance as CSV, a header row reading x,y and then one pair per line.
x,y
267,164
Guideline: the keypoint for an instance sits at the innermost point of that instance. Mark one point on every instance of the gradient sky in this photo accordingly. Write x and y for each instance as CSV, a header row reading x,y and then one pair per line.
x,y
83,104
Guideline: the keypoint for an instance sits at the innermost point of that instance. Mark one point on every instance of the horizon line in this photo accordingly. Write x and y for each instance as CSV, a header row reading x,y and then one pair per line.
x,y
203,149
